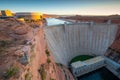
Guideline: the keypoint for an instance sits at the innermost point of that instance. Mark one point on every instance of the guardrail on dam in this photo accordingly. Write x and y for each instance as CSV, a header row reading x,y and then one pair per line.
x,y
70,40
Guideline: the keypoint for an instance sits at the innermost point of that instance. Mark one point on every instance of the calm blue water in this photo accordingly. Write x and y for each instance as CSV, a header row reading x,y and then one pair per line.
x,y
53,21
100,74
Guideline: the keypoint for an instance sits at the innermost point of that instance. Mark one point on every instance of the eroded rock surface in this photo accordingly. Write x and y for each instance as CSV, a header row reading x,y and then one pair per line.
x,y
23,53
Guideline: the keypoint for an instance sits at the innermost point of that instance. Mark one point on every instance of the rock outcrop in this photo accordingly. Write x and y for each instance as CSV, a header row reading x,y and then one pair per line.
x,y
24,54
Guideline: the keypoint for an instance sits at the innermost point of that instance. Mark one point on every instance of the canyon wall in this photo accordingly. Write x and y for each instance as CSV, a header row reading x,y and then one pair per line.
x,y
24,54
70,40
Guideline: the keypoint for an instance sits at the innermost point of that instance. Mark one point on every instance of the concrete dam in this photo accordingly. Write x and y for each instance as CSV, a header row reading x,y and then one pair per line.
x,y
69,40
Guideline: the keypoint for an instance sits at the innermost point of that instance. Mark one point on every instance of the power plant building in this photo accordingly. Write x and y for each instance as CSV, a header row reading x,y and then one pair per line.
x,y
29,15
6,13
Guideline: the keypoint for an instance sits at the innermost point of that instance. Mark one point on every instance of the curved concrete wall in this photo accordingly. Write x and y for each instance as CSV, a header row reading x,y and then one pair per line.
x,y
69,40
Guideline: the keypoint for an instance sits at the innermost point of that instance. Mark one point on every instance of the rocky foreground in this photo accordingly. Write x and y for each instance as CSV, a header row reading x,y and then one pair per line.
x,y
24,54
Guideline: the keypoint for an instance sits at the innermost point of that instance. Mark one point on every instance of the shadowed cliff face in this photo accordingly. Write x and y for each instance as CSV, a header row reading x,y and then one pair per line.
x,y
24,54
113,52
70,40
116,43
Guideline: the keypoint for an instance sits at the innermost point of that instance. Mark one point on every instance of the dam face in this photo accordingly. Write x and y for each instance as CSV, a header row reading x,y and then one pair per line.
x,y
70,40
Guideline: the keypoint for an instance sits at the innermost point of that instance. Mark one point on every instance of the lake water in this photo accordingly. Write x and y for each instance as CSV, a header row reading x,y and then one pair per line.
x,y
54,21
100,74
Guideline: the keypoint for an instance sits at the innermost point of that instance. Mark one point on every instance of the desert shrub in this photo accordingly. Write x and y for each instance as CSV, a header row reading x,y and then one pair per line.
x,y
11,71
59,64
28,76
48,60
47,52
51,78
42,72
4,44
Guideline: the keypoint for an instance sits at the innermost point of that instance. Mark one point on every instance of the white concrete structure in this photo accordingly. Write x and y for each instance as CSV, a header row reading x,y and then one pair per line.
x,y
70,40
112,66
79,68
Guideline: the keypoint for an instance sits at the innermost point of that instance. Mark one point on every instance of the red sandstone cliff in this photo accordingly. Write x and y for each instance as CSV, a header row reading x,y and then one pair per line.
x,y
24,54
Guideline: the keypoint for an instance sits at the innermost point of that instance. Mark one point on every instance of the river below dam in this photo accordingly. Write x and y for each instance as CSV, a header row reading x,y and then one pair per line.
x,y
100,74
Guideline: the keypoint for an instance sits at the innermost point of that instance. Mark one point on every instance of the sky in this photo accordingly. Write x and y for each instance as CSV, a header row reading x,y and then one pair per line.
x,y
63,7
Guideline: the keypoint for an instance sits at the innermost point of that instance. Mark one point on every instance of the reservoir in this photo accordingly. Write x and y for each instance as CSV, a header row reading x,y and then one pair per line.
x,y
54,21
